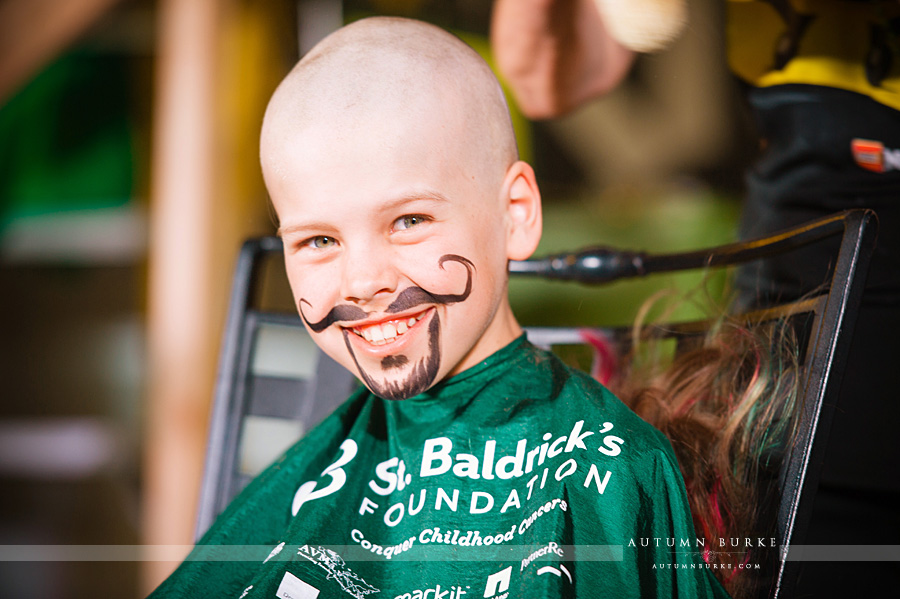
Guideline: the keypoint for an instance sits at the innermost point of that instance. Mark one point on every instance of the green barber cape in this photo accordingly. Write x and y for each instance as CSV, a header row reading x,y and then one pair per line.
x,y
518,478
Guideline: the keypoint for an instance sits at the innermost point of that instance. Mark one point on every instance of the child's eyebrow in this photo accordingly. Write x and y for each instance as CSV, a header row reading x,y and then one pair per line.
x,y
300,228
416,196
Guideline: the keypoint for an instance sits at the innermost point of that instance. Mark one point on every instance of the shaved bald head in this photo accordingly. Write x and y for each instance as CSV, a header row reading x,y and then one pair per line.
x,y
387,74
390,159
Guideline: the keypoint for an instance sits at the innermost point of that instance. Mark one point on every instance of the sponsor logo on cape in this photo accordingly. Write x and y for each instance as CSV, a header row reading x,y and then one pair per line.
x,y
497,583
337,568
436,592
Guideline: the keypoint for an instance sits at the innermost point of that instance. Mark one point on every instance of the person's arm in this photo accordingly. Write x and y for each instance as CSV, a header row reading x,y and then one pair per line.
x,y
555,54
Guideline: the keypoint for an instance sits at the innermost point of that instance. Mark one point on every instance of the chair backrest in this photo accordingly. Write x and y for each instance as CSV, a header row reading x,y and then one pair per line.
x,y
273,384
825,318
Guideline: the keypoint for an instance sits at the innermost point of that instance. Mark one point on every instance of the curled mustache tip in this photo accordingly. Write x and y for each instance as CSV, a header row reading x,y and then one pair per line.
x,y
342,313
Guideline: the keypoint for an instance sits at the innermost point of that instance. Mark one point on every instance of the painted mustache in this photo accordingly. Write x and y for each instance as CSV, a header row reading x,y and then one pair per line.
x,y
407,299
342,313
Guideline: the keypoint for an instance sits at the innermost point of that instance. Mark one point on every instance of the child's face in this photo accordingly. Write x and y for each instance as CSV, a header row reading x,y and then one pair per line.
x,y
396,251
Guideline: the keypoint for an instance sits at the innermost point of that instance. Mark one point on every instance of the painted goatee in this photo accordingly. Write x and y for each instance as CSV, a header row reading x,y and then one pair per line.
x,y
420,377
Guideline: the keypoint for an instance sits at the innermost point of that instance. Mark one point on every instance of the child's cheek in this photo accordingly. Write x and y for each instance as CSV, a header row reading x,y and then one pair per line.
x,y
318,286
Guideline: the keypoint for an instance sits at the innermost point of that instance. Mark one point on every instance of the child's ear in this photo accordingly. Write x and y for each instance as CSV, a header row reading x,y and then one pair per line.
x,y
522,199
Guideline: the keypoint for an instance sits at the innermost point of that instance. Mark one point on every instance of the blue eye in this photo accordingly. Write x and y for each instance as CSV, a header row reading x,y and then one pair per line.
x,y
409,221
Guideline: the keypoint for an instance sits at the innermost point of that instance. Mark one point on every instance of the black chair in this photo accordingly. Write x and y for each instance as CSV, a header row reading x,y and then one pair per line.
x,y
273,384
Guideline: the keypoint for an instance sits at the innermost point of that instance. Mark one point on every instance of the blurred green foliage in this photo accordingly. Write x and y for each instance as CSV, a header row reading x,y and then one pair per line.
x,y
66,140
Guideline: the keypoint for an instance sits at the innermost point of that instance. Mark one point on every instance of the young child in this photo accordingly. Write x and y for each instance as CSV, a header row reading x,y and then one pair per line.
x,y
472,463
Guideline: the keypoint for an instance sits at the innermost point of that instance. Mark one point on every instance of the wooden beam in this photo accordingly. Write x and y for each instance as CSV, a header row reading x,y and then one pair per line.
x,y
218,61
182,319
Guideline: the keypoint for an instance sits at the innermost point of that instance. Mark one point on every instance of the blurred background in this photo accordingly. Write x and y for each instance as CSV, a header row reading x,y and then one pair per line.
x,y
128,178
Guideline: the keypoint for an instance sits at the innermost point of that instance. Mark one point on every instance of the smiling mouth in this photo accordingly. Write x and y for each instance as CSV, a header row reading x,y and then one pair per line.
x,y
387,331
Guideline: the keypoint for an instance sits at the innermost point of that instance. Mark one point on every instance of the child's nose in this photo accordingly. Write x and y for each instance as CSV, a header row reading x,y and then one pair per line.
x,y
367,273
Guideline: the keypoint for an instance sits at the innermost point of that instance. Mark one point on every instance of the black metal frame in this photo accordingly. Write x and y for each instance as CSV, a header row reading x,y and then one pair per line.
x,y
232,399
834,309
229,398
832,330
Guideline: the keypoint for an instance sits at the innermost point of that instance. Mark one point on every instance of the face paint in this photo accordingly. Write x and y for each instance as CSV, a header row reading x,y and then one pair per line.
x,y
421,376
343,313
413,296
412,378
394,362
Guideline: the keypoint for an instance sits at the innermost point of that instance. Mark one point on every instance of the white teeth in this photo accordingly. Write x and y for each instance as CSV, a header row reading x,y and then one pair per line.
x,y
387,332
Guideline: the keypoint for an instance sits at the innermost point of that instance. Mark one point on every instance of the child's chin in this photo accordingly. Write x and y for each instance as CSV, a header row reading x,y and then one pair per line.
x,y
402,374
402,385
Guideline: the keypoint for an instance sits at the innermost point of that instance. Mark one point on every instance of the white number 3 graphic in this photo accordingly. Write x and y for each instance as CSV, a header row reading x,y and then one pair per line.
x,y
307,491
